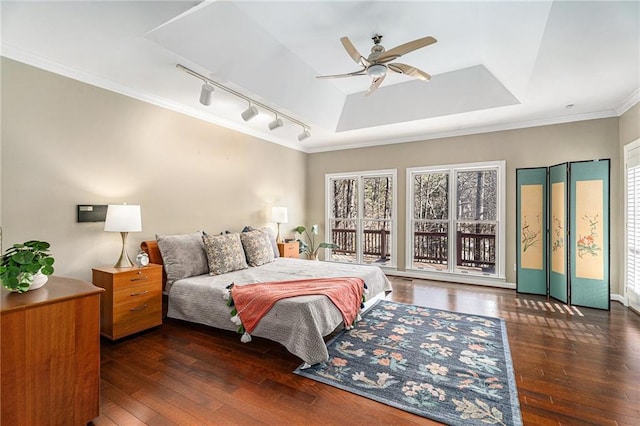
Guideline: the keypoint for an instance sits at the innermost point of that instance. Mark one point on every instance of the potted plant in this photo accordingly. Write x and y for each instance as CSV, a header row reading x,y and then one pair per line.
x,y
310,249
22,263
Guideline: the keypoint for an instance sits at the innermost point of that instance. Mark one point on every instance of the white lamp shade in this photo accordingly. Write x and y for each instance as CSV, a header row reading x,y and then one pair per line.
x,y
123,218
279,215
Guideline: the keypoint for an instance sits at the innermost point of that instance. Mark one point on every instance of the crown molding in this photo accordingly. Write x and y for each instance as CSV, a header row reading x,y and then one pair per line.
x,y
631,101
476,130
46,64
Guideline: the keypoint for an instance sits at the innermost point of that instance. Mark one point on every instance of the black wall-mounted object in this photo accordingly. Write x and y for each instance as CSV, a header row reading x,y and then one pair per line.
x,y
92,213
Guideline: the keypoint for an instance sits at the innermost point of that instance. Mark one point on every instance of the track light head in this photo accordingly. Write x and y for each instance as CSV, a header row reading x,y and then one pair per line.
x,y
249,113
276,123
304,135
205,94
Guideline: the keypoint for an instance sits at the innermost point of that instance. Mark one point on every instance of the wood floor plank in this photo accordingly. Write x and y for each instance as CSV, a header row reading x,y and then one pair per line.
x,y
573,366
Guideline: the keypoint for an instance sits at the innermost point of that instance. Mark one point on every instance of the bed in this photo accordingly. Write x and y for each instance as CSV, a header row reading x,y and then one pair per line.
x,y
298,323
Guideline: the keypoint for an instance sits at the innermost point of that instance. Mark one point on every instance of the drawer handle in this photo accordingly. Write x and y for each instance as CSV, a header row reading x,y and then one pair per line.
x,y
140,293
139,278
139,308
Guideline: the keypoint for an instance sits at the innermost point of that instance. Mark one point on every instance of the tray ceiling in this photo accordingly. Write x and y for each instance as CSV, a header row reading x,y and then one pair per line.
x,y
496,65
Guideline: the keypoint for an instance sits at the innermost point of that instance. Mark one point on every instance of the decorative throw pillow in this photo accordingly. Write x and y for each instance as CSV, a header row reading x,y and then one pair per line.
x,y
270,234
257,247
224,253
182,255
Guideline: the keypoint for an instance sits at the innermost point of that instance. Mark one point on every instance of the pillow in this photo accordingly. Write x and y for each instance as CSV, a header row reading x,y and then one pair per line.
x,y
224,253
183,255
270,234
257,247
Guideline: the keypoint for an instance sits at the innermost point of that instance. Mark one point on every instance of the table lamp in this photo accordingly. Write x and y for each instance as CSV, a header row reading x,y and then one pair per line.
x,y
279,215
123,218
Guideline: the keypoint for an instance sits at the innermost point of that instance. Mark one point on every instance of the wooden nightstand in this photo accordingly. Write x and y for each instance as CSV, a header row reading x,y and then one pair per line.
x,y
132,300
289,249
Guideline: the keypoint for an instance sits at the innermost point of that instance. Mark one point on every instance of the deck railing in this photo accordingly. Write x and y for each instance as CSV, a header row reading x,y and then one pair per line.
x,y
473,250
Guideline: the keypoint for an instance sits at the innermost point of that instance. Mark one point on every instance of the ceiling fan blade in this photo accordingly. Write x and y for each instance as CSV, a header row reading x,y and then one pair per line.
x,y
409,70
375,84
350,74
403,49
353,52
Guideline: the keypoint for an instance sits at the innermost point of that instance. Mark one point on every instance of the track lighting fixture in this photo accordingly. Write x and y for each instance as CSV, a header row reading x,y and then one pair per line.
x,y
304,135
206,94
276,123
249,113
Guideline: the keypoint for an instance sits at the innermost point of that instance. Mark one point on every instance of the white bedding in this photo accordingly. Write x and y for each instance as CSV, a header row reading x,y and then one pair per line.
x,y
298,323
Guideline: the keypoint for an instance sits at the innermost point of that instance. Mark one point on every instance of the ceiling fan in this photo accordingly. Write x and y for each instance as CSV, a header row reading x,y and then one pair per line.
x,y
377,63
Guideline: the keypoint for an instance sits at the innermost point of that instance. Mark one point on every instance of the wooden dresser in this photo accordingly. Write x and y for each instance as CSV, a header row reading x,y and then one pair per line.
x,y
50,352
132,300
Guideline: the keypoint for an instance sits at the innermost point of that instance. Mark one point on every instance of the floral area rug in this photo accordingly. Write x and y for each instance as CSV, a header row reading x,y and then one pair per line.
x,y
446,366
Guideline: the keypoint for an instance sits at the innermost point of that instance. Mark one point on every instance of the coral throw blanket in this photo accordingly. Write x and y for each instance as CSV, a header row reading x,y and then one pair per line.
x,y
253,301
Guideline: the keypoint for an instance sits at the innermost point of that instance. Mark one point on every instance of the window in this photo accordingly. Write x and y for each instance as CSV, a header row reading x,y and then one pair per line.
x,y
455,219
632,220
361,217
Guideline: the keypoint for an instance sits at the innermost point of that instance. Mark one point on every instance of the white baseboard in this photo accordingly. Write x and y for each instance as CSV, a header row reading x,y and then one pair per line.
x,y
458,278
618,298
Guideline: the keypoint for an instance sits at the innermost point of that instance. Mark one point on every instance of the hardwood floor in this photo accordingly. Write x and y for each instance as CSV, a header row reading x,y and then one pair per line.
x,y
573,366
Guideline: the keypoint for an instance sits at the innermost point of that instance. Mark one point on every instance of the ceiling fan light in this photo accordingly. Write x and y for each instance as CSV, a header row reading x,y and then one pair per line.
x,y
276,123
376,70
249,113
304,135
205,94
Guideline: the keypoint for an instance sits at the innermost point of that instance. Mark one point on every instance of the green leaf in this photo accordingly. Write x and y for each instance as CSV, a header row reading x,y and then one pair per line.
x,y
47,270
47,261
32,268
300,229
23,257
38,245
23,287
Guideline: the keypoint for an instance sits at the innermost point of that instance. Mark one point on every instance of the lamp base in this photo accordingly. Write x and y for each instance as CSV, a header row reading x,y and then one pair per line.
x,y
124,261
278,238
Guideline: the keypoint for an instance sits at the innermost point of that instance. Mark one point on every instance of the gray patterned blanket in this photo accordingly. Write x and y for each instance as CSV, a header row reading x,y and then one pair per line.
x,y
298,323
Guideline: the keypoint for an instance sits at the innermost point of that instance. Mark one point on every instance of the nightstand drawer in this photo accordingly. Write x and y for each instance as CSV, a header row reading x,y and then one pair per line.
x,y
135,291
137,276
136,314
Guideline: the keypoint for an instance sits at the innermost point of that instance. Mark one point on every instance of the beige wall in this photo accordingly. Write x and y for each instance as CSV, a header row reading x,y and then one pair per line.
x,y
66,143
532,147
629,125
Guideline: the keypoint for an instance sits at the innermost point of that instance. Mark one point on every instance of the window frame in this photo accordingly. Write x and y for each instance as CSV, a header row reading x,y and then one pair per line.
x,y
360,175
451,273
631,155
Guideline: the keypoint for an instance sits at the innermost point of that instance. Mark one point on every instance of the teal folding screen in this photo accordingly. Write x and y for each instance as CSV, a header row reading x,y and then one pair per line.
x,y
589,233
558,253
531,223
562,219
